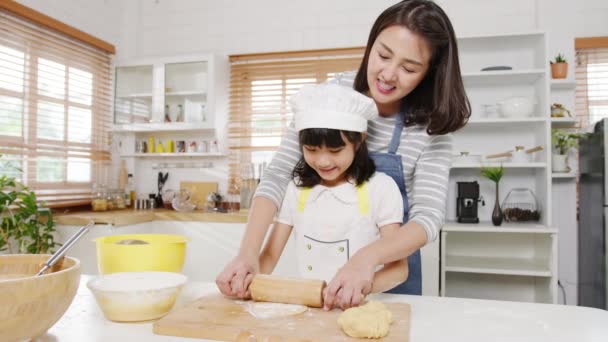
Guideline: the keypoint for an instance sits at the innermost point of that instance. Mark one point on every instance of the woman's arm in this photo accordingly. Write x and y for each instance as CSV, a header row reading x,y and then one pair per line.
x,y
393,273
427,214
354,280
274,247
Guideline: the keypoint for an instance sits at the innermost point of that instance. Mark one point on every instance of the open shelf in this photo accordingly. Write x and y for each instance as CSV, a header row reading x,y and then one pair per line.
x,y
474,165
162,127
491,121
563,175
173,155
563,84
506,227
135,95
564,122
494,265
506,77
186,93
499,287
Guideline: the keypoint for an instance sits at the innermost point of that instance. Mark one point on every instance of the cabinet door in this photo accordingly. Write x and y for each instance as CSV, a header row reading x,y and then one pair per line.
x,y
186,86
133,100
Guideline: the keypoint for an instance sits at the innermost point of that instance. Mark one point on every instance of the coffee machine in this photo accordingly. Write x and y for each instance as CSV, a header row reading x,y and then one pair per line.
x,y
466,202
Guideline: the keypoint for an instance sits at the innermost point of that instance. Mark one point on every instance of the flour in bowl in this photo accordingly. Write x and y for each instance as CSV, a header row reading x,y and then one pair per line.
x,y
138,281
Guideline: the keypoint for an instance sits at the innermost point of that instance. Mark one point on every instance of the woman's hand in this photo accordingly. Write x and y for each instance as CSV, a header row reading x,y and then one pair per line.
x,y
350,285
234,280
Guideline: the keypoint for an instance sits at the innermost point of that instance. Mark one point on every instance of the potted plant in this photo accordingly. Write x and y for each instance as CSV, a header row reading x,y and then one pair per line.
x,y
26,226
495,175
562,141
559,67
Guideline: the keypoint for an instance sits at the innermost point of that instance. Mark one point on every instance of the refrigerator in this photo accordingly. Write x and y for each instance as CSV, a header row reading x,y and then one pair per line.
x,y
593,214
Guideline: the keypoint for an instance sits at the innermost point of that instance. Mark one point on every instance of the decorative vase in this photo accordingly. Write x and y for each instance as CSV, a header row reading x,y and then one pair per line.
x,y
559,163
559,70
497,213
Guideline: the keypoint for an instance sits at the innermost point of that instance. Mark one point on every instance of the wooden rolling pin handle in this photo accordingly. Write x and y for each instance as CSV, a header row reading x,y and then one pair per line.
x,y
268,288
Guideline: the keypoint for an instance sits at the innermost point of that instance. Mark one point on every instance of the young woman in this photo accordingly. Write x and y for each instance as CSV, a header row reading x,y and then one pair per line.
x,y
336,202
411,70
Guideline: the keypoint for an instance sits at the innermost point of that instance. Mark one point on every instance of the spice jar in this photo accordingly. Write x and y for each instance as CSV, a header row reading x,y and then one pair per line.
x,y
521,205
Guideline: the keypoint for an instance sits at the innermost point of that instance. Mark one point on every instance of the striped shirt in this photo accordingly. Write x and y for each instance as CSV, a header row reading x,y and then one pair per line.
x,y
426,166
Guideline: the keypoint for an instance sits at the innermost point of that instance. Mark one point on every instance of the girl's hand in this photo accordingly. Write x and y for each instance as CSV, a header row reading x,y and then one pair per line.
x,y
234,280
350,285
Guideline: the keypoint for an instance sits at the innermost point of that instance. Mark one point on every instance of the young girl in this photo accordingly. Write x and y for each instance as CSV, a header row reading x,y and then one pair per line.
x,y
410,69
336,203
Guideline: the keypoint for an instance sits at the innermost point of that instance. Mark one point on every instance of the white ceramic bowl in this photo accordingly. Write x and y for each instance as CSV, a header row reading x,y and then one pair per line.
x,y
136,296
516,107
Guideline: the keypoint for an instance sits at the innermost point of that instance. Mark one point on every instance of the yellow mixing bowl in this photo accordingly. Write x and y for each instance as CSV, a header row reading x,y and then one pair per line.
x,y
163,252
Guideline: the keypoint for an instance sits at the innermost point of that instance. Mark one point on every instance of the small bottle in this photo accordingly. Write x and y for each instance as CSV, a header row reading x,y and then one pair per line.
x,y
122,176
180,113
130,190
167,115
160,148
204,113
150,144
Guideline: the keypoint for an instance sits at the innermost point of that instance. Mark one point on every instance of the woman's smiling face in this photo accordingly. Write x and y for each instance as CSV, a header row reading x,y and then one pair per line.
x,y
398,62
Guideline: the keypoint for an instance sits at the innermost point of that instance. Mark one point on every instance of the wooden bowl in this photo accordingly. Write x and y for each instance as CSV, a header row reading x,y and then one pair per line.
x,y
30,304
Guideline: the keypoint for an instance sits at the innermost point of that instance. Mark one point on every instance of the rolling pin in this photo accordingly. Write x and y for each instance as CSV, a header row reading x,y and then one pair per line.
x,y
269,288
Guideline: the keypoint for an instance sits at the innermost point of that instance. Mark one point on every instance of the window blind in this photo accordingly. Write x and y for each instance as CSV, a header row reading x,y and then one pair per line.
x,y
55,110
591,80
260,86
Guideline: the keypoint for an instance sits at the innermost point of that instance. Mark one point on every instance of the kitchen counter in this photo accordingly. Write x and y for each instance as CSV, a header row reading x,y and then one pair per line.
x,y
433,319
128,216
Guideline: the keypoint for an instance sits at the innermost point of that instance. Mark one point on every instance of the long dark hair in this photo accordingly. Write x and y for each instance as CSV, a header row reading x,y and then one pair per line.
x,y
360,170
439,101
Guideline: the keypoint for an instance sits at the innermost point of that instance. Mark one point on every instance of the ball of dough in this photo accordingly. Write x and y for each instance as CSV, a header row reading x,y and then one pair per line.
x,y
371,320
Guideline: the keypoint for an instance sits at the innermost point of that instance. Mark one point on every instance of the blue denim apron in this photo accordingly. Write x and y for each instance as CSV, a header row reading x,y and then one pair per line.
x,y
390,164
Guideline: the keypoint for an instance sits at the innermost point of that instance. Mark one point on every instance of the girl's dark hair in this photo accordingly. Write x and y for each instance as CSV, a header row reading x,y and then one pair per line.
x,y
439,101
360,170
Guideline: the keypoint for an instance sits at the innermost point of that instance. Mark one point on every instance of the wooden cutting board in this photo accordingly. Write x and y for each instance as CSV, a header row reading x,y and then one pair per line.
x,y
218,318
199,191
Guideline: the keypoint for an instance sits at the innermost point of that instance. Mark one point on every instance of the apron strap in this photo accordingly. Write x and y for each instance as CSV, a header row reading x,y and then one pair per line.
x,y
303,199
396,138
362,198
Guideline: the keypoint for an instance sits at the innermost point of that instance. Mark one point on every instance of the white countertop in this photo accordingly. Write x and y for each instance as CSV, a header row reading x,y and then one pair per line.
x,y
433,319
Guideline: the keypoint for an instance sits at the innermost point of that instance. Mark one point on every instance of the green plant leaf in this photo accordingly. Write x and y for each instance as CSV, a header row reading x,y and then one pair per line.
x,y
493,173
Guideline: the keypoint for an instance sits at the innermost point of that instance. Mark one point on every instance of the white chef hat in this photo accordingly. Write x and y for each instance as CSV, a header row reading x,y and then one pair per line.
x,y
332,106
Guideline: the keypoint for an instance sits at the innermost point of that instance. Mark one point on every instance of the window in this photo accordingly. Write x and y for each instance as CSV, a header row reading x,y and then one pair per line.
x,y
591,80
55,109
260,86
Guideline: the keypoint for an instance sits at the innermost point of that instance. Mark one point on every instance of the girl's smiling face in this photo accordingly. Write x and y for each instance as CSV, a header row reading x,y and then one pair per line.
x,y
398,62
330,163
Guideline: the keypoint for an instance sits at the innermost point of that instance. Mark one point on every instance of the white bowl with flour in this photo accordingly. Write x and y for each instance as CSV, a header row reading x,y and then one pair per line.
x,y
136,296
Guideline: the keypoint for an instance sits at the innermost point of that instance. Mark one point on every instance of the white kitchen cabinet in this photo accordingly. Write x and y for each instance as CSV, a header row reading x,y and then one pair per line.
x,y
516,261
511,262
183,90
211,246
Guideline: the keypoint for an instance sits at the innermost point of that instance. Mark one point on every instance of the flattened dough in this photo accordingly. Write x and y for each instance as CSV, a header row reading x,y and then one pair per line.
x,y
372,320
269,310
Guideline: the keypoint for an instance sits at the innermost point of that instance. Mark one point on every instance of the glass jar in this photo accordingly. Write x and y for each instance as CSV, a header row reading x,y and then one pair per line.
x,y
119,200
110,199
99,202
521,205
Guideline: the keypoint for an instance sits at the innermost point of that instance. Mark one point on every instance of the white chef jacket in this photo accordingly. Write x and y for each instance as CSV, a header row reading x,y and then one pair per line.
x,y
332,223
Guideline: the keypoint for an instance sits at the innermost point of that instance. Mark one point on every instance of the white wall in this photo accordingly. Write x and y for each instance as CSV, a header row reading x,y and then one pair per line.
x,y
142,29
100,18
